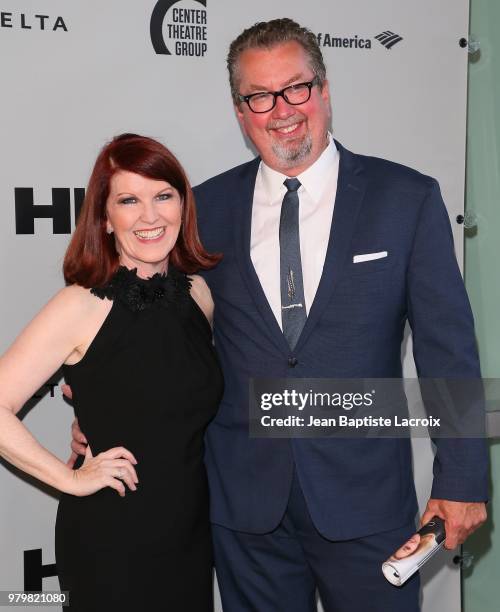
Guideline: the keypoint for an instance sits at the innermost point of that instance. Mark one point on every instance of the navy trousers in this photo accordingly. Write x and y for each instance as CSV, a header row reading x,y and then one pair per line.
x,y
281,571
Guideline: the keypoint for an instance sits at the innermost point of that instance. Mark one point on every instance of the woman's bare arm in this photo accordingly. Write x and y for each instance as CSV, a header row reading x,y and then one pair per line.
x,y
58,334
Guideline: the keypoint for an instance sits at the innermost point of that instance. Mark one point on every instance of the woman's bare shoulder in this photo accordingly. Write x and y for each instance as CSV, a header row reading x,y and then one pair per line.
x,y
75,311
76,300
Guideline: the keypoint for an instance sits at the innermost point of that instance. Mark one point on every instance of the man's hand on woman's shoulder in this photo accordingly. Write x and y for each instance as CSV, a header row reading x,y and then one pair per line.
x,y
202,296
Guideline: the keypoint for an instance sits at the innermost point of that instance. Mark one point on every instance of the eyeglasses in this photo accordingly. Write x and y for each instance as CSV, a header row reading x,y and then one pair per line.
x,y
264,101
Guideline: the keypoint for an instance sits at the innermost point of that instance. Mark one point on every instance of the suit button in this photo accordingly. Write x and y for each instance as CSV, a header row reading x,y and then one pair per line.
x,y
292,362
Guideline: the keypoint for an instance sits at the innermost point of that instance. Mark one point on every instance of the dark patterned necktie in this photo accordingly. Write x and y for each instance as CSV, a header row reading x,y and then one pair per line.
x,y
293,308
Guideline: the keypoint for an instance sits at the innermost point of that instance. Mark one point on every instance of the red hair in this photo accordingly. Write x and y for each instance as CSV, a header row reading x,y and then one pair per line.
x,y
91,258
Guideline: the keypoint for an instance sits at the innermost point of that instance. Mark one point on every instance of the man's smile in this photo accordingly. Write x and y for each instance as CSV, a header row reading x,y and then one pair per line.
x,y
287,129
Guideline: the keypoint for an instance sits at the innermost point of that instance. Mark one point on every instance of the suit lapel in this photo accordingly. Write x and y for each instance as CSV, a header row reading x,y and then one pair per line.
x,y
350,192
242,225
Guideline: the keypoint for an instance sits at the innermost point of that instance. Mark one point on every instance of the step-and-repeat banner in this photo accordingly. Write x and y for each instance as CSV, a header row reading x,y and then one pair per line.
x,y
73,74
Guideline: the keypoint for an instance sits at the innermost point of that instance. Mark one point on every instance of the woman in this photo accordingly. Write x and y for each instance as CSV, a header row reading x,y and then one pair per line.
x,y
133,333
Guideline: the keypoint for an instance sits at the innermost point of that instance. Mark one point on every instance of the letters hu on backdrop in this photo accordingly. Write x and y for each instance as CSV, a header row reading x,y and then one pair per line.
x,y
59,211
35,571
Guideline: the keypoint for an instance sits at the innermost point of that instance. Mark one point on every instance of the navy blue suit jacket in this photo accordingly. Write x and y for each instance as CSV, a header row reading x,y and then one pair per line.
x,y
354,329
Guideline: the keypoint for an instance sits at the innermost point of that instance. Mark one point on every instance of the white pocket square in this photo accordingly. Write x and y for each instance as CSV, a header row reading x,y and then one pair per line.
x,y
368,257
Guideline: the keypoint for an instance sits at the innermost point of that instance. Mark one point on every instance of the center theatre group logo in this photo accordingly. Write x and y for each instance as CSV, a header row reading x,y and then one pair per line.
x,y
183,28
387,38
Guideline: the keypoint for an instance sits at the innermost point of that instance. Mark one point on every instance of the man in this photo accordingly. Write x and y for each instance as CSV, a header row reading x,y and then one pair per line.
x,y
292,301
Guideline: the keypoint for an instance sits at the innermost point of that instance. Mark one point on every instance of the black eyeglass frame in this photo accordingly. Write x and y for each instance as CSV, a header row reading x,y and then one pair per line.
x,y
282,92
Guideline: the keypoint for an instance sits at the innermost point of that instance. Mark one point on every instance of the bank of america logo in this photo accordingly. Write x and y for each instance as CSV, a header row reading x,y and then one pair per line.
x,y
389,39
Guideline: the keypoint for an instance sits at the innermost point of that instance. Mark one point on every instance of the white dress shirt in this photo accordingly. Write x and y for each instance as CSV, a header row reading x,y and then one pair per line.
x,y
316,201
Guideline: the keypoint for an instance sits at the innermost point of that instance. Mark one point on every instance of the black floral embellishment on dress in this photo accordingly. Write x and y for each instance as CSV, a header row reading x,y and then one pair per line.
x,y
141,293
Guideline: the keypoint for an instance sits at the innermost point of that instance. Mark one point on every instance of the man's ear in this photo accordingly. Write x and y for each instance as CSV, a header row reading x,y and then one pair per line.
x,y
325,96
240,117
325,91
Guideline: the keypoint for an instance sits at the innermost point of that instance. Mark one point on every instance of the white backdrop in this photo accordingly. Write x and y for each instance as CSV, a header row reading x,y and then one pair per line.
x,y
75,74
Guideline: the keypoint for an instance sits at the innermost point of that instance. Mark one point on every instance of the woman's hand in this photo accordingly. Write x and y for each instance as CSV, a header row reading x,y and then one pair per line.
x,y
113,468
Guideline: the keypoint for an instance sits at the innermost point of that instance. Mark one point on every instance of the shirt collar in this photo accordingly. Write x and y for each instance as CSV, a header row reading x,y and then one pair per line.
x,y
312,179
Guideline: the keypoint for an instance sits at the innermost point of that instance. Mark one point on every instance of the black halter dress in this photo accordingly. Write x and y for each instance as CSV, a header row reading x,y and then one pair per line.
x,y
151,382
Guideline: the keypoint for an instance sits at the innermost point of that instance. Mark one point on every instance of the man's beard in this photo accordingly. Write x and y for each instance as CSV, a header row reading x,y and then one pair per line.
x,y
293,154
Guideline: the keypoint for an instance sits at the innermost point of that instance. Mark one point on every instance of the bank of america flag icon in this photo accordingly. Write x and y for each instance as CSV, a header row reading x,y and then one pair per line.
x,y
389,39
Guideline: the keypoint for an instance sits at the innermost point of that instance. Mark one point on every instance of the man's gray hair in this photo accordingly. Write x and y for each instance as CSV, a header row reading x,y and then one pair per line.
x,y
267,34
